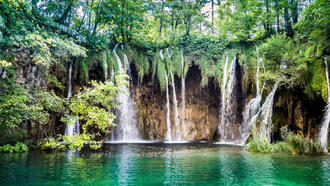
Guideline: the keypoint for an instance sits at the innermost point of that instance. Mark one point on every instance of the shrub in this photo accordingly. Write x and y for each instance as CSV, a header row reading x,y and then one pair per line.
x,y
281,147
299,144
293,143
259,145
19,147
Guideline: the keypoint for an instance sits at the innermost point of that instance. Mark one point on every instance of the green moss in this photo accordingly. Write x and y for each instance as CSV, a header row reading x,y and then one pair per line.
x,y
316,83
84,70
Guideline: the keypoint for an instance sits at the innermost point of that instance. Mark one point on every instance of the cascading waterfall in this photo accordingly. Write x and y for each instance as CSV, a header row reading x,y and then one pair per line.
x,y
183,91
127,126
228,82
266,113
69,81
168,111
323,135
175,108
112,74
251,109
105,65
175,105
223,90
168,121
73,128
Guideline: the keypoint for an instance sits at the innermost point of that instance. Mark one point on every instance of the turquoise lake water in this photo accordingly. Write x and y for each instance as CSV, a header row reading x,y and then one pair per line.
x,y
163,165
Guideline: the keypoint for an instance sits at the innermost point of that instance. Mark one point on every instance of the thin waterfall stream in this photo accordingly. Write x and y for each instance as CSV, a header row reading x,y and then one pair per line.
x,y
323,135
183,92
168,111
226,99
175,104
105,65
72,128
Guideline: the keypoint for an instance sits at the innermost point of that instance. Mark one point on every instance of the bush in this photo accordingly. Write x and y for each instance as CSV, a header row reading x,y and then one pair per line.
x,y
259,145
299,144
293,144
281,147
19,147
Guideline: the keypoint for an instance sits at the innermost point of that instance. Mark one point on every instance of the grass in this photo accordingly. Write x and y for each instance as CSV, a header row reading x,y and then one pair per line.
x,y
291,144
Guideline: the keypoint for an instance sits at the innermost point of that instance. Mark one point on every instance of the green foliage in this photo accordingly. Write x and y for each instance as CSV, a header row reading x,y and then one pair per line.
x,y
13,101
259,145
51,144
19,147
94,105
140,61
161,74
281,147
43,106
292,144
316,83
207,46
299,144
277,50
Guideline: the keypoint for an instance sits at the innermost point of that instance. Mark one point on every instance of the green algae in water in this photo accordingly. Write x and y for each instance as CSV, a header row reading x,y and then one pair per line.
x,y
163,165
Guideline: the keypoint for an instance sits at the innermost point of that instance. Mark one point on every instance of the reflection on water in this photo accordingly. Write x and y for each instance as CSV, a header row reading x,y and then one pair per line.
x,y
163,165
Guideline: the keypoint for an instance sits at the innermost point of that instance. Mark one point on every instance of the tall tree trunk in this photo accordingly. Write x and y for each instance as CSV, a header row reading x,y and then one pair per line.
x,y
294,11
65,14
35,9
212,4
161,19
287,21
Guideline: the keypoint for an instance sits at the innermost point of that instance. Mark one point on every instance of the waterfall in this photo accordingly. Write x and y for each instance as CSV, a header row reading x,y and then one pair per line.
x,y
175,104
112,74
226,98
266,113
69,80
323,135
127,126
73,127
251,109
175,108
168,121
183,92
161,55
105,65
223,89
168,111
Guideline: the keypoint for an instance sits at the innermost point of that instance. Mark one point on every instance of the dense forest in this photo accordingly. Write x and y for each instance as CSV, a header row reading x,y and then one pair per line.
x,y
59,66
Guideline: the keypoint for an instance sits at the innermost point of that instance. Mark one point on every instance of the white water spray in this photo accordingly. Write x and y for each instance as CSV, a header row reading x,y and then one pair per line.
x,y
168,121
72,128
168,110
226,98
266,113
323,135
251,109
175,105
105,65
127,126
183,92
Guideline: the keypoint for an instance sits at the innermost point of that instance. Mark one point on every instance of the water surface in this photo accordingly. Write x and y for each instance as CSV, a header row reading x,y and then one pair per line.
x,y
153,164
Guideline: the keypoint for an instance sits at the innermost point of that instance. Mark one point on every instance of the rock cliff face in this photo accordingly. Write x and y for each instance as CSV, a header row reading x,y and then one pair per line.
x,y
201,114
28,74
203,107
